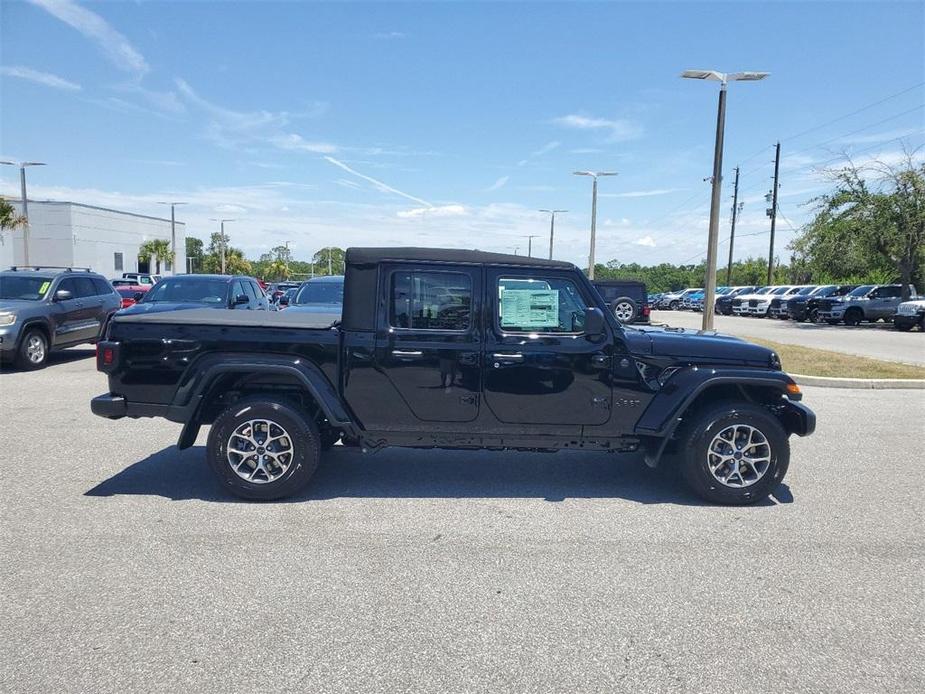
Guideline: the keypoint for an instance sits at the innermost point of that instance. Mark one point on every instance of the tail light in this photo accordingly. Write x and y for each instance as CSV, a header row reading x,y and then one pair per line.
x,y
127,302
107,355
646,310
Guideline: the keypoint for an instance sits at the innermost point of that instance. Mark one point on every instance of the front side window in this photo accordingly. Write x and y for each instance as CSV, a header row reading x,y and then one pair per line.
x,y
431,300
540,305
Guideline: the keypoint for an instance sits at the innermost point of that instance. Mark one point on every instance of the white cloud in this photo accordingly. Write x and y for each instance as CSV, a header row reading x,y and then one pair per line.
x,y
647,241
433,211
295,142
619,129
500,183
389,35
45,78
116,47
379,185
546,149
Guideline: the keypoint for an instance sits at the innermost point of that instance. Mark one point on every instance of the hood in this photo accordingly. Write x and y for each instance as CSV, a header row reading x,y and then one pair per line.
x,y
161,306
698,347
13,305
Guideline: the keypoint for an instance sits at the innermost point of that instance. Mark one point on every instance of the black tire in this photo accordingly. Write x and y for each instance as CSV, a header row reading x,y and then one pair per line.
x,y
33,350
831,321
303,439
673,306
904,327
854,316
813,315
698,434
627,307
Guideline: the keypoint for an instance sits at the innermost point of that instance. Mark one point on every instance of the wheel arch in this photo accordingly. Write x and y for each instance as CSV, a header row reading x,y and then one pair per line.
x,y
220,383
32,324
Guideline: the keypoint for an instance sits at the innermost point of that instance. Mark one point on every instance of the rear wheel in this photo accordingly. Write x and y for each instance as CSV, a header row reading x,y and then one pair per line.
x,y
813,315
734,453
673,305
625,309
853,316
262,448
33,350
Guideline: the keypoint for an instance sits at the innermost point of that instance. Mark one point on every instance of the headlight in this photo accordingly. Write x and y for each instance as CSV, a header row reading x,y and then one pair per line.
x,y
7,318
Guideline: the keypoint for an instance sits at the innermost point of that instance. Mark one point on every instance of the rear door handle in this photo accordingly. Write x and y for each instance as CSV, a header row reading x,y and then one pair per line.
x,y
510,356
407,353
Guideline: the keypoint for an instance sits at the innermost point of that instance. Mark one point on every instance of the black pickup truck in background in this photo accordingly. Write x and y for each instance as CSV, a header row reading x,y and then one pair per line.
x,y
454,349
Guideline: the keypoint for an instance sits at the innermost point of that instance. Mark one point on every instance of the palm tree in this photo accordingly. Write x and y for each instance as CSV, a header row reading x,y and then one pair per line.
x,y
159,249
278,270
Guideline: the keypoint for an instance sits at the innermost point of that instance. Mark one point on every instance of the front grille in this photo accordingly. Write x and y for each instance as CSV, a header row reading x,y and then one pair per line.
x,y
825,305
775,303
752,303
737,302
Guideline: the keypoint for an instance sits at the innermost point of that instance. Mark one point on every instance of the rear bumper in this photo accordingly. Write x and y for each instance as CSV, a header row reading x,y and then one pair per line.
x,y
113,406
908,321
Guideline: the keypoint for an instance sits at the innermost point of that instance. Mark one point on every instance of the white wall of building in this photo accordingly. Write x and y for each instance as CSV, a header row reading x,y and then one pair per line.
x,y
71,234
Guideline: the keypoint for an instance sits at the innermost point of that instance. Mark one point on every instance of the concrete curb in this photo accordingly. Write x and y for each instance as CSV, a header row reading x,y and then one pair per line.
x,y
863,383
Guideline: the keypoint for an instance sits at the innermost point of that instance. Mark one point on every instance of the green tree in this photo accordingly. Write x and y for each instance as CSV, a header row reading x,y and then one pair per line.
x,y
8,217
159,249
872,224
194,252
329,261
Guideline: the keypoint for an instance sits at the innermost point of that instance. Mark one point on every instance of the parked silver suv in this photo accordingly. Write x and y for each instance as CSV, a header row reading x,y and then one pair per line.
x,y
45,308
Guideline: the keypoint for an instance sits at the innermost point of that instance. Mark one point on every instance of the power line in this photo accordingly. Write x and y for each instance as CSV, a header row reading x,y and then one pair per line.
x,y
855,132
853,113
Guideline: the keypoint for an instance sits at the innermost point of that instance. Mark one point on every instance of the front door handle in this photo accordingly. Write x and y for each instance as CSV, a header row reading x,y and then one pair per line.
x,y
407,353
511,356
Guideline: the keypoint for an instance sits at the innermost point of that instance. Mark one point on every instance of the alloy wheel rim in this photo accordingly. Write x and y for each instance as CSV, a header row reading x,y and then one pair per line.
x,y
739,456
623,311
35,349
260,451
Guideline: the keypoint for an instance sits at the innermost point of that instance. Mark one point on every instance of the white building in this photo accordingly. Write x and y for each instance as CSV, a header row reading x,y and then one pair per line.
x,y
70,234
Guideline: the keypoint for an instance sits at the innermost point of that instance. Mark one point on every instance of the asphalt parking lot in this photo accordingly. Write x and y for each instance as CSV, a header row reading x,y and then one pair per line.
x,y
877,340
125,569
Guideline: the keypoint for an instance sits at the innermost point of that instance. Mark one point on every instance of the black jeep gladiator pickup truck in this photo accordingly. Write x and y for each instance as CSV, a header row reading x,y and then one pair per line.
x,y
454,349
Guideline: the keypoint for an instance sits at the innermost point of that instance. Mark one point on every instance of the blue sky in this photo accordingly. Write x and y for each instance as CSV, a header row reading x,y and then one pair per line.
x,y
446,124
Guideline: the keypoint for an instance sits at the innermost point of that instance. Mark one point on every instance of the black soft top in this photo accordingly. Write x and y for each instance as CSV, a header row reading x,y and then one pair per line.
x,y
368,256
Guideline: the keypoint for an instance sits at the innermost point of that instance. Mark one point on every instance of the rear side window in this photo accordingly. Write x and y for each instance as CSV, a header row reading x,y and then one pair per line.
x,y
251,292
540,305
890,292
431,301
84,286
102,286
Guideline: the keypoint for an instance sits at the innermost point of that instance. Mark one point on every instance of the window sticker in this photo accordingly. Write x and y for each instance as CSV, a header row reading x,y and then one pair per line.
x,y
44,288
530,308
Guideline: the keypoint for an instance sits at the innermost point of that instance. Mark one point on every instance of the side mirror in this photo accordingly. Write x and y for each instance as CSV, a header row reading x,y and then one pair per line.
x,y
63,295
138,296
241,299
594,321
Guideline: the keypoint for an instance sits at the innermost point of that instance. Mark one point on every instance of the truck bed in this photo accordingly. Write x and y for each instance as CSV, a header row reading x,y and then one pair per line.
x,y
232,317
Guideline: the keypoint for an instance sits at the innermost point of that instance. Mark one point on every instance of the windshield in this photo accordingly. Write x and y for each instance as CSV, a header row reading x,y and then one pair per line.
x,y
824,290
806,290
862,290
24,288
781,290
764,290
321,293
188,290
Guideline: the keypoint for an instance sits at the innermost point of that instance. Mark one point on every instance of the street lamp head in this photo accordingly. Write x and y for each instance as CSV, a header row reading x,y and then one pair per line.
x,y
22,164
747,76
33,163
583,173
595,174
715,76
160,202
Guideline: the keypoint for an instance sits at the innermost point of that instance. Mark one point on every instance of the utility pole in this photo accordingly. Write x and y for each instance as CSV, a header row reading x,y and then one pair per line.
x,y
173,233
732,234
25,204
594,175
773,211
530,238
330,271
552,227
222,239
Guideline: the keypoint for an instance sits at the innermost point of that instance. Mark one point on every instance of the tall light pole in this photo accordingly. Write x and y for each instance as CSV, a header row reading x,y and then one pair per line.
x,y
25,203
222,239
552,227
709,295
530,238
594,175
173,232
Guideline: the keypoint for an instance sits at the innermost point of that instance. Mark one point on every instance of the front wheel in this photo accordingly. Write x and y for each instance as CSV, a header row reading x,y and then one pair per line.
x,y
734,453
33,350
673,305
853,316
261,448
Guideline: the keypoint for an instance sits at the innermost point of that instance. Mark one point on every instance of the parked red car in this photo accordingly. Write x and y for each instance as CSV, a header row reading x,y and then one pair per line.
x,y
130,293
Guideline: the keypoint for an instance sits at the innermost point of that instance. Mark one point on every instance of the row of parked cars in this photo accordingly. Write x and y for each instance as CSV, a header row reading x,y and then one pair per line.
x,y
850,304
48,308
